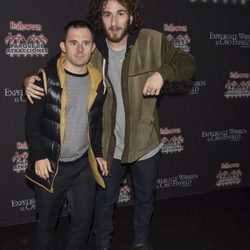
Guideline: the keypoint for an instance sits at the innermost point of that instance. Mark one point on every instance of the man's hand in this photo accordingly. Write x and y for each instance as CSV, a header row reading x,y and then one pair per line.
x,y
31,90
42,168
153,85
103,166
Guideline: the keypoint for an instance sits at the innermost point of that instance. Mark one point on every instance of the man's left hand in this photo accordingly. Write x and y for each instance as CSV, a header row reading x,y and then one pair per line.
x,y
153,85
103,166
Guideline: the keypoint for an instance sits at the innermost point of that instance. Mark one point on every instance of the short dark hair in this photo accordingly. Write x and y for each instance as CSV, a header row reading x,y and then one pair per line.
x,y
76,24
134,8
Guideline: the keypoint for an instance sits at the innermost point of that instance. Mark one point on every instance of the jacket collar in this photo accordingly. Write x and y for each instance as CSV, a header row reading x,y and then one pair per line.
x,y
101,44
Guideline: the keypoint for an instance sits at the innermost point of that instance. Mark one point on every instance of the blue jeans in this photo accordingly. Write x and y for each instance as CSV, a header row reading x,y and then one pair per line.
x,y
144,174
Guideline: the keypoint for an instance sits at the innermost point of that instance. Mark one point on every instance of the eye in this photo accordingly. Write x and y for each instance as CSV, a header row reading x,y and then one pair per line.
x,y
121,13
73,42
106,14
87,43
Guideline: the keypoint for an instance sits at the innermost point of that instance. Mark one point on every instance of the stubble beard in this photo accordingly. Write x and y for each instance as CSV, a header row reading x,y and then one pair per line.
x,y
117,39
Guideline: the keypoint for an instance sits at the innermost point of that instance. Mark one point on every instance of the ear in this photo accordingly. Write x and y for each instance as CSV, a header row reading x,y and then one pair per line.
x,y
93,48
62,46
131,19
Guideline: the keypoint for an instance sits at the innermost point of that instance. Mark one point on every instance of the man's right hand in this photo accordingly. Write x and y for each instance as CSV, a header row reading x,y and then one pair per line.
x,y
42,168
31,90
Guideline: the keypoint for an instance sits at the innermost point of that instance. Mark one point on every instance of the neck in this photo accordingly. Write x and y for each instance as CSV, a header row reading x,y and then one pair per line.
x,y
118,46
75,69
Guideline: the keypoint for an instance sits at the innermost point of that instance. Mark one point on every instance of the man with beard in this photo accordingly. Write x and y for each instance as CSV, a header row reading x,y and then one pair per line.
x,y
135,63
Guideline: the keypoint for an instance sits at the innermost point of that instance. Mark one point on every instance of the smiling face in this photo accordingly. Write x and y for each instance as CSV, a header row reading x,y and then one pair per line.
x,y
116,21
78,47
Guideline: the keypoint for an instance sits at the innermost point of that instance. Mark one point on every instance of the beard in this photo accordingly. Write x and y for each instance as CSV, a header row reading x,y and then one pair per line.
x,y
117,38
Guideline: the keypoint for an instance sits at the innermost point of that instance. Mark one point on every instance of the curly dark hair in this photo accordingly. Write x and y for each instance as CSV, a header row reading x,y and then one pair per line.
x,y
134,9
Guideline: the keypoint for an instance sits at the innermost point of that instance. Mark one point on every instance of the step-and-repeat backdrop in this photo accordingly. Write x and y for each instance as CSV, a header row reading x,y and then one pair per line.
x,y
205,123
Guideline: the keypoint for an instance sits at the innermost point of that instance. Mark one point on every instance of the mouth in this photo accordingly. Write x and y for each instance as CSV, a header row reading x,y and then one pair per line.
x,y
115,29
80,56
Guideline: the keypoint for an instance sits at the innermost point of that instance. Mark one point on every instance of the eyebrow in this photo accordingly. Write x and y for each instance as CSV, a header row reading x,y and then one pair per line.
x,y
108,11
74,40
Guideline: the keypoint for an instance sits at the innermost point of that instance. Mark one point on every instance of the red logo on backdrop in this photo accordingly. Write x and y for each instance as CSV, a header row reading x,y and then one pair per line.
x,y
171,140
177,34
22,44
18,38
229,174
124,195
238,85
20,157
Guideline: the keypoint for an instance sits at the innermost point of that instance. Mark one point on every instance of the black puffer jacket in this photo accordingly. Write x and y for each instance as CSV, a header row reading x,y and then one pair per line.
x,y
45,122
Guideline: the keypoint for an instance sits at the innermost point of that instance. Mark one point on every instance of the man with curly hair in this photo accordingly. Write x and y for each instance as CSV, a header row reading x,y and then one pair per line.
x,y
135,62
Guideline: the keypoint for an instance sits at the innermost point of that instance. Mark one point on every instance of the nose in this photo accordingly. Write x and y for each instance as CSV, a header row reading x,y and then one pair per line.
x,y
113,20
80,48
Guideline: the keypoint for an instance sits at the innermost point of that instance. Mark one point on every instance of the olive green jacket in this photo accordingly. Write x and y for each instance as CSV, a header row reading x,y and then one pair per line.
x,y
147,52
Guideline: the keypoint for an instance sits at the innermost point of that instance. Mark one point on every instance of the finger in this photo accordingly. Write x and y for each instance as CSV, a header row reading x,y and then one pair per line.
x,y
105,172
101,168
152,92
157,91
148,93
29,98
44,174
105,168
145,89
37,78
31,79
35,90
34,96
33,86
37,171
145,92
49,167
